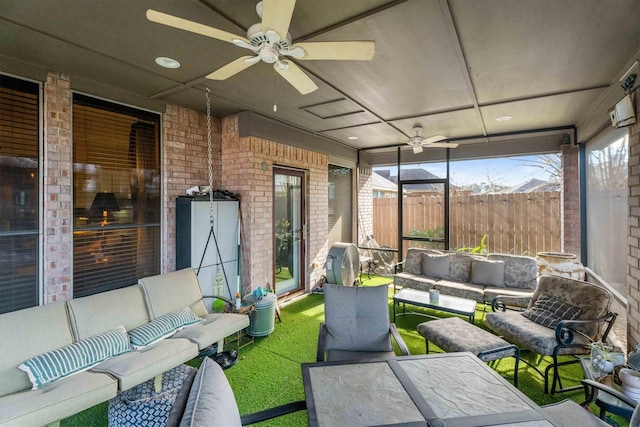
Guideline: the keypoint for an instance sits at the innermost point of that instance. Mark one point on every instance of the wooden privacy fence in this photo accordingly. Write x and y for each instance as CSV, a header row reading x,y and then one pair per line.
x,y
517,223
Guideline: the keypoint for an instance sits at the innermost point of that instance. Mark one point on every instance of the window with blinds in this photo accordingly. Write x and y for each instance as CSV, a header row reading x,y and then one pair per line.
x,y
117,204
19,194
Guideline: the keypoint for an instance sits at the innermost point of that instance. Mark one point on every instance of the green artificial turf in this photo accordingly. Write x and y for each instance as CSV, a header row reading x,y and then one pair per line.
x,y
268,372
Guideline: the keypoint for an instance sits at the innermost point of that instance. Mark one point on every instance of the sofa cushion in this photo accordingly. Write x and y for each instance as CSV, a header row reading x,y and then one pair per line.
x,y
414,281
593,300
214,328
162,327
486,272
459,289
95,314
169,292
435,265
135,367
357,327
513,297
460,266
57,401
49,323
77,357
413,260
526,334
548,311
211,401
519,271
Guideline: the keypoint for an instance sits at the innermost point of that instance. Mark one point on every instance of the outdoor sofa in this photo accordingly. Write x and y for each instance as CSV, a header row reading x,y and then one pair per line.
x,y
61,358
477,277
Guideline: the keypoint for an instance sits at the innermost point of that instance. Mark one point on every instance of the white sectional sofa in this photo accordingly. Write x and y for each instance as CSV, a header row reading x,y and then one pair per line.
x,y
32,335
477,277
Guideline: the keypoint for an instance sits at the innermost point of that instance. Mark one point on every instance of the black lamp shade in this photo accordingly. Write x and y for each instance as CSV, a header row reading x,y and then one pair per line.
x,y
101,203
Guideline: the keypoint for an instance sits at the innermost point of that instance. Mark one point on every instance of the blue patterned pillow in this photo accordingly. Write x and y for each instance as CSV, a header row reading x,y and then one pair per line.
x,y
46,368
162,327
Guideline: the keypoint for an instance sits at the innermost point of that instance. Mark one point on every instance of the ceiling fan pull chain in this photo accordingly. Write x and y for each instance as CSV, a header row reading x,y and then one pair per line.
x,y
209,156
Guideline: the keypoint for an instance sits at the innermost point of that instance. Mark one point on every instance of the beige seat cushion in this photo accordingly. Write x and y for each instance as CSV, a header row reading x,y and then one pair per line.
x,y
215,327
59,400
166,293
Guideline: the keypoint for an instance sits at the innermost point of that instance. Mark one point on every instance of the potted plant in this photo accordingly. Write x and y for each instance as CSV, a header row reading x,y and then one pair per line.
x,y
604,357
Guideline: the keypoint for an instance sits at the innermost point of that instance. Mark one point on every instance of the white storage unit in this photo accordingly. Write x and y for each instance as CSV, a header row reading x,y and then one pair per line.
x,y
193,230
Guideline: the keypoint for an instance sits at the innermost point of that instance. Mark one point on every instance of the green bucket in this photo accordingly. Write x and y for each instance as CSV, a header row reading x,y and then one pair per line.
x,y
262,318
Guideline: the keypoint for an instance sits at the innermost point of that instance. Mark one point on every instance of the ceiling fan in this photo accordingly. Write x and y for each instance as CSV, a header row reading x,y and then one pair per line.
x,y
418,142
270,42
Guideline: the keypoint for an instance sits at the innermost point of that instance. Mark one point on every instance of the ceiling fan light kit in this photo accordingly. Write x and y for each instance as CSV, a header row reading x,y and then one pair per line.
x,y
270,41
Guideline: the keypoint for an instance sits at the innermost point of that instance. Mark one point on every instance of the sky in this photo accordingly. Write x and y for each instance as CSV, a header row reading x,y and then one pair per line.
x,y
506,170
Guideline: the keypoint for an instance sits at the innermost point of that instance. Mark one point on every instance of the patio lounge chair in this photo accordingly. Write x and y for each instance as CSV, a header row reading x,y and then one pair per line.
x,y
357,324
381,257
563,317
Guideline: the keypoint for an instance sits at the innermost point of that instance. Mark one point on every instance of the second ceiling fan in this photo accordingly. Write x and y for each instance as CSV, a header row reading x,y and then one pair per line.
x,y
270,42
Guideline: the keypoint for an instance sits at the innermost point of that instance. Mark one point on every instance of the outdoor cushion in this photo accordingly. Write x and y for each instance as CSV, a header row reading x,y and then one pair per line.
x,y
77,357
169,292
519,271
491,292
59,400
413,261
211,401
18,332
435,265
214,328
162,327
526,334
357,318
458,289
486,272
419,282
138,366
460,266
548,311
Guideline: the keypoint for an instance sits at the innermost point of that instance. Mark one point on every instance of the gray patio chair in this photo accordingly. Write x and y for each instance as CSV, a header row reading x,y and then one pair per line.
x,y
357,324
563,317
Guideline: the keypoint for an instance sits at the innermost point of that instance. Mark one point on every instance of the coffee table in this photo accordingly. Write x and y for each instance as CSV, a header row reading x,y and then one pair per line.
x,y
446,303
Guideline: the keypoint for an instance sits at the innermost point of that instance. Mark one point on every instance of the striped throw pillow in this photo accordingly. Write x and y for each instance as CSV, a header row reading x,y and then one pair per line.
x,y
162,327
46,368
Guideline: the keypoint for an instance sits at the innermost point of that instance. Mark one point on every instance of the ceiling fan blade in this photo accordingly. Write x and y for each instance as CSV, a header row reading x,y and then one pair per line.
x,y
233,68
440,145
351,50
296,77
434,138
276,16
193,27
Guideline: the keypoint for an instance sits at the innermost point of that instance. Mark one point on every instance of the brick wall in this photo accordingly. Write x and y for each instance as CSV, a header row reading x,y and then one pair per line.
x,y
633,236
243,173
57,189
184,164
570,201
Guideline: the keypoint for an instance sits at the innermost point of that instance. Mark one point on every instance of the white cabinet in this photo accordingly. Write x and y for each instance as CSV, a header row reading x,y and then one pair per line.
x,y
196,242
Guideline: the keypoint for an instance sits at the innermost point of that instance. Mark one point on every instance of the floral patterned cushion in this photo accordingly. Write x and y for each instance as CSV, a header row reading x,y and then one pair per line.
x,y
460,266
526,334
594,301
414,281
519,271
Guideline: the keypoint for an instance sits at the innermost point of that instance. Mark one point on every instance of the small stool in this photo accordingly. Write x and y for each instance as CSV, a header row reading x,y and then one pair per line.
x,y
454,334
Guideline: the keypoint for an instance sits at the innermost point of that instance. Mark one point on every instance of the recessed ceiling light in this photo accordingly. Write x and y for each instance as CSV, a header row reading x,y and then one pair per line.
x,y
353,138
503,118
165,62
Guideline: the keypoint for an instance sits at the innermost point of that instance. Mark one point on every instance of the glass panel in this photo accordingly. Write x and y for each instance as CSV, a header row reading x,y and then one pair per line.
x,y
340,204
19,192
116,195
288,231
423,216
607,173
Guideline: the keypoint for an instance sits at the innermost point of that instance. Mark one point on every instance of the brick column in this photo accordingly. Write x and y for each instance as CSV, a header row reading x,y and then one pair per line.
x,y
184,164
633,236
57,171
570,201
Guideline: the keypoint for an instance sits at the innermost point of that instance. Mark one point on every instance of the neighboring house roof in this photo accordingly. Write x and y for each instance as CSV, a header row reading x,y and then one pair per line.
x,y
381,183
533,185
414,174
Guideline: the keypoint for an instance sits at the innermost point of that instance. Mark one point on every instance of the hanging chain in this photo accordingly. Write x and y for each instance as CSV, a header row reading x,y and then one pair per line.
x,y
210,157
